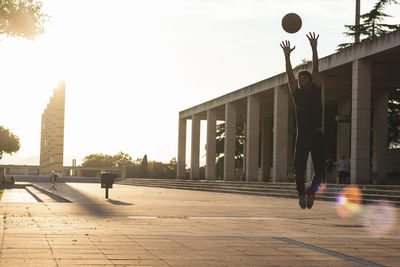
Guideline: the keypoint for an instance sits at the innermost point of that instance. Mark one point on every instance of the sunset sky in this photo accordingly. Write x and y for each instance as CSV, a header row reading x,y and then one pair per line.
x,y
130,66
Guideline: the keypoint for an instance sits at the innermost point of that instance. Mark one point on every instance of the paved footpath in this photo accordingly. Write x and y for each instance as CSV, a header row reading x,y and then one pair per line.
x,y
144,226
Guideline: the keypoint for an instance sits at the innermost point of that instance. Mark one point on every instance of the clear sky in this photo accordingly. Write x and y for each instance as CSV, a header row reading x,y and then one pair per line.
x,y
130,66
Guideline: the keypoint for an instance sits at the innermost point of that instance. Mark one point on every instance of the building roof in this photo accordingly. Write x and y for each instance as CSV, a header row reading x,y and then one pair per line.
x,y
336,69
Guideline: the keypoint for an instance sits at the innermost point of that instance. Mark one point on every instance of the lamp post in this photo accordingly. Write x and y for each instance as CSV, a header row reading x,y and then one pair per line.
x,y
357,23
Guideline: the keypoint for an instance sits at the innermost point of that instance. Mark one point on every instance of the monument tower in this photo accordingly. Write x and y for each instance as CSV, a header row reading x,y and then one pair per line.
x,y
52,133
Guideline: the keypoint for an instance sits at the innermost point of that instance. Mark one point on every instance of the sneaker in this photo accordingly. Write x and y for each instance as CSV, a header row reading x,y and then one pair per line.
x,y
310,198
302,201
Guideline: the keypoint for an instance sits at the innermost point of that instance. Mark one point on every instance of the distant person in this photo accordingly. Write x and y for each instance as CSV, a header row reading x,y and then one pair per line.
x,y
343,168
307,98
53,178
12,180
329,171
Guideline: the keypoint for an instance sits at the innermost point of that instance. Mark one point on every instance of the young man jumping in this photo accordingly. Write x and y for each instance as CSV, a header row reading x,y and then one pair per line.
x,y
308,107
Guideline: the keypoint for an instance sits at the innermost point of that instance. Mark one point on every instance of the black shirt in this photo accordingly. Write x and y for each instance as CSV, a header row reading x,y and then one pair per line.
x,y
308,105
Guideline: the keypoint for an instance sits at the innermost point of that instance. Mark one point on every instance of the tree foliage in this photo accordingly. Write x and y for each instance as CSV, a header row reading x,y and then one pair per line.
x,y
107,161
162,170
22,18
394,118
144,171
139,168
372,25
98,161
220,147
9,142
122,159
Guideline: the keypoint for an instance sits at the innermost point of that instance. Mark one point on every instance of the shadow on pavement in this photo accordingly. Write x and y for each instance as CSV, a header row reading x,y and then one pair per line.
x,y
117,202
93,205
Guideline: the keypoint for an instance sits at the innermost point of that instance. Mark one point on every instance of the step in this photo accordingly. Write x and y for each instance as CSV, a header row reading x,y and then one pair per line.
x,y
328,190
39,196
370,194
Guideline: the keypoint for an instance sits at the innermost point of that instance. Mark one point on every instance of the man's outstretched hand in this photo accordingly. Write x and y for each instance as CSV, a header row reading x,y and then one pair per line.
x,y
286,47
313,38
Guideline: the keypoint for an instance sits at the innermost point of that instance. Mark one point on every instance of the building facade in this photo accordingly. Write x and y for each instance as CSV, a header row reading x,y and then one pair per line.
x,y
52,133
356,85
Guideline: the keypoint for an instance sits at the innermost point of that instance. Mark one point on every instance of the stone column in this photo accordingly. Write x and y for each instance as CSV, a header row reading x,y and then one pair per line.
x,y
380,141
280,132
343,130
230,139
211,144
195,151
292,133
243,176
267,148
252,138
360,122
181,160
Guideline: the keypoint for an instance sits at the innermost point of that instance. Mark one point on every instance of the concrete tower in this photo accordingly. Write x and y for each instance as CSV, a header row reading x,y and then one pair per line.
x,y
52,133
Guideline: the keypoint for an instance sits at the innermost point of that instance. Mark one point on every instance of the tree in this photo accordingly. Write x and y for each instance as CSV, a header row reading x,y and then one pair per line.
x,y
134,170
22,18
394,118
139,168
303,64
220,147
122,160
144,167
157,169
98,160
9,142
172,168
372,26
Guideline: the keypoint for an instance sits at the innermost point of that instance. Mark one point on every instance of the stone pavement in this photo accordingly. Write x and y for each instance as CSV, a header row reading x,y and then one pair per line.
x,y
144,226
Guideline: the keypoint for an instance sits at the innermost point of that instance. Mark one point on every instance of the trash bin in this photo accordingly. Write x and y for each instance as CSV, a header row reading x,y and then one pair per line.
x,y
107,179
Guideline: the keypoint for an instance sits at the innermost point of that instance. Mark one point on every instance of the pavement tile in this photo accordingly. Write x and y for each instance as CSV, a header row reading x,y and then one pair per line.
x,y
93,262
27,256
132,256
118,262
194,263
80,256
131,250
28,262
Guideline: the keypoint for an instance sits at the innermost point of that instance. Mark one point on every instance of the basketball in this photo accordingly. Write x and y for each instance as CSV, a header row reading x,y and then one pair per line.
x,y
291,23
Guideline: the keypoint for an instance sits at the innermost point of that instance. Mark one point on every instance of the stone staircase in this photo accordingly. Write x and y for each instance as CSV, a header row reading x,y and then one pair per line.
x,y
370,193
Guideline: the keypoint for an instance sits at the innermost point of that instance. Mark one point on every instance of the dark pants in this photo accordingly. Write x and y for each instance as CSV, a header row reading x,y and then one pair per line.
x,y
342,177
309,142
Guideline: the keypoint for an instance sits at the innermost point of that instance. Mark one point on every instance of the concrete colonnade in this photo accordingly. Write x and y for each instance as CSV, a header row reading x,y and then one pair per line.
x,y
350,92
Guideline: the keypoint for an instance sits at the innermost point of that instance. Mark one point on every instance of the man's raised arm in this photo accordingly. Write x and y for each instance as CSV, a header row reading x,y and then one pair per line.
x,y
313,38
291,79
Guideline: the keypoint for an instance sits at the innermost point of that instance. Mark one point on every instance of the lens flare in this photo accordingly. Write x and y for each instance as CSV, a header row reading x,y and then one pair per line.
x,y
348,202
379,218
321,190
